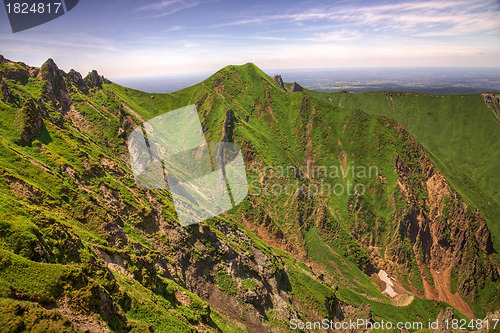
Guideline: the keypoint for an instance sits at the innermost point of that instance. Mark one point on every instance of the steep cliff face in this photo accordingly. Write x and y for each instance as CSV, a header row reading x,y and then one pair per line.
x,y
437,230
79,237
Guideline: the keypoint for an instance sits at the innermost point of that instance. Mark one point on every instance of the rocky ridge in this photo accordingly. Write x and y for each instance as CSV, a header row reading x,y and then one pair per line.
x,y
199,259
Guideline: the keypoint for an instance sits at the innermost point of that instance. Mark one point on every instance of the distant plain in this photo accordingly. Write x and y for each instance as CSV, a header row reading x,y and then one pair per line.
x,y
433,80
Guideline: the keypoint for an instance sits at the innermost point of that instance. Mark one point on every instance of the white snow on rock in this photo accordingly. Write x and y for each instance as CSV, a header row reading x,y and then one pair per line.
x,y
388,283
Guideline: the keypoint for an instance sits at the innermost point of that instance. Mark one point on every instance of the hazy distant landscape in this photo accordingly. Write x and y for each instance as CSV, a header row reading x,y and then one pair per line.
x,y
430,80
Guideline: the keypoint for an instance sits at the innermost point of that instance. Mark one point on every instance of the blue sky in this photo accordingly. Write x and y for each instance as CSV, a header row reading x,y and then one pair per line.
x,y
127,38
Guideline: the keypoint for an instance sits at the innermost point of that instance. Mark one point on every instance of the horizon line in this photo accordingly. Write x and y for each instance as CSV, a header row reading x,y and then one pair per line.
x,y
208,73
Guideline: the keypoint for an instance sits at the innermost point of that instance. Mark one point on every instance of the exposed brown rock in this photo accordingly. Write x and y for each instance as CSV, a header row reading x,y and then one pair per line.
x,y
444,233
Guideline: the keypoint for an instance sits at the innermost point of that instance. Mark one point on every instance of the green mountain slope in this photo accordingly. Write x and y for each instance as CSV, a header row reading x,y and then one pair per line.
x,y
336,195
462,132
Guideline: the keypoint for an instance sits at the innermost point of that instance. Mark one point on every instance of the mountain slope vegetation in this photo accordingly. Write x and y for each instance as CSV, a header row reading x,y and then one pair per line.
x,y
339,190
461,132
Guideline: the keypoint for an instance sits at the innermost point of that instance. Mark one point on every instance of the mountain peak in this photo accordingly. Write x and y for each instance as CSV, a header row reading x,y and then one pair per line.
x,y
49,63
239,68
93,79
249,74
54,76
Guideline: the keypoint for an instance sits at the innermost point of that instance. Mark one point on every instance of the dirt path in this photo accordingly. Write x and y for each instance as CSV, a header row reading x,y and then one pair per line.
x,y
441,291
132,112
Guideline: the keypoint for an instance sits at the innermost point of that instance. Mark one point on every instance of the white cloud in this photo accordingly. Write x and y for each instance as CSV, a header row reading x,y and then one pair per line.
x,y
333,36
229,37
412,18
175,28
191,45
49,40
446,33
266,38
166,7
159,5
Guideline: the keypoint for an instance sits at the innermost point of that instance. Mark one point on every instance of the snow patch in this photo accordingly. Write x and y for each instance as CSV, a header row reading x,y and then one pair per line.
x,y
388,283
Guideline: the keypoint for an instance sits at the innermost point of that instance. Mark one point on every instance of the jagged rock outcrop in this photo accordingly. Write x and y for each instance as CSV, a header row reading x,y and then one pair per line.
x,y
77,79
228,128
19,73
449,234
93,79
334,308
279,81
491,98
54,77
55,89
295,87
491,317
339,311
